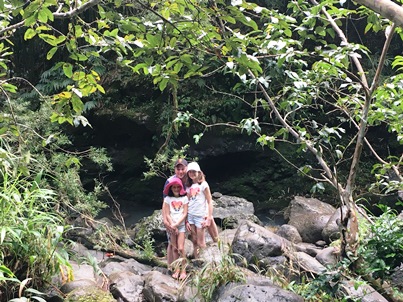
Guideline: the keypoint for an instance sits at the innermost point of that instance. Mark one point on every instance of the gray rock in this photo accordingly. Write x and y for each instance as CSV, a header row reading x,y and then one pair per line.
x,y
255,242
230,211
126,286
113,265
309,216
77,284
289,232
227,236
307,263
255,293
328,256
308,248
159,287
363,293
331,231
397,277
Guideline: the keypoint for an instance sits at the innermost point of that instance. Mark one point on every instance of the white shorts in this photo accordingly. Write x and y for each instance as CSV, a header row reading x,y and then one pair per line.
x,y
196,220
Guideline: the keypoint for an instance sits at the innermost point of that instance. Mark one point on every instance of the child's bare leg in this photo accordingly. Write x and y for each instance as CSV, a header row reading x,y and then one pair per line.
x,y
213,231
200,241
175,255
193,236
181,249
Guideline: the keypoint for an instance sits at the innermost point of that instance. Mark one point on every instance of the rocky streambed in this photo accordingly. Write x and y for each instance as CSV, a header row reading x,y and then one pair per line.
x,y
257,257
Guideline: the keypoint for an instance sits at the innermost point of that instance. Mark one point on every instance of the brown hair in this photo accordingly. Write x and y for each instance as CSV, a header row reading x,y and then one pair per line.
x,y
200,179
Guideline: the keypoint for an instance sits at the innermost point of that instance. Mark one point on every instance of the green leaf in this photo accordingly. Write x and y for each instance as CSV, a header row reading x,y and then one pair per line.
x,y
51,52
43,16
9,87
30,21
163,84
29,34
50,39
78,57
100,88
68,70
139,66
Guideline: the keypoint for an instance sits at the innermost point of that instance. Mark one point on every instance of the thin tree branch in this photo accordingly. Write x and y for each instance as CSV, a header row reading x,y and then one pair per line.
x,y
342,36
77,10
56,15
389,36
309,144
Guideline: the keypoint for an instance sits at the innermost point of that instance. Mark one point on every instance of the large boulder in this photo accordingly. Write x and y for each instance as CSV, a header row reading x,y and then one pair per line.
x,y
126,286
289,232
160,287
234,292
230,211
331,231
256,288
256,243
309,216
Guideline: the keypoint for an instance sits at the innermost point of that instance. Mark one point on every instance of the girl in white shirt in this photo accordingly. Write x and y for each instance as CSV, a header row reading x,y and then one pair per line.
x,y
176,209
200,210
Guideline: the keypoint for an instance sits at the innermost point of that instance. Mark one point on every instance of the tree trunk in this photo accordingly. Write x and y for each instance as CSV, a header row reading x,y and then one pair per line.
x,y
385,8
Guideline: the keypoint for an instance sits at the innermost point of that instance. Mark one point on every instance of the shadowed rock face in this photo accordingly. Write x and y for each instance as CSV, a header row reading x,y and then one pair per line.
x,y
233,163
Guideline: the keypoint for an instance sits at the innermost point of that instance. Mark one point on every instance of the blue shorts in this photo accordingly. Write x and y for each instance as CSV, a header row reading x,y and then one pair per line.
x,y
182,228
196,220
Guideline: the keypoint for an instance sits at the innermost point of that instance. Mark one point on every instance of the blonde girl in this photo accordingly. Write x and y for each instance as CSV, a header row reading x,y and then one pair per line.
x,y
200,210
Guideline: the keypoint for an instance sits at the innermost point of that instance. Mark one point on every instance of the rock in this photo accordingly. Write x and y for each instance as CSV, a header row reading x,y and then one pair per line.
x,y
331,231
77,284
150,226
328,256
309,216
227,236
213,253
126,286
397,277
89,294
289,232
230,211
275,264
159,287
116,264
234,292
81,251
363,293
255,242
307,263
308,248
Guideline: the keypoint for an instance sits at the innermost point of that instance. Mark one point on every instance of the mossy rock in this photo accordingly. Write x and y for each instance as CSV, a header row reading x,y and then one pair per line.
x,y
89,294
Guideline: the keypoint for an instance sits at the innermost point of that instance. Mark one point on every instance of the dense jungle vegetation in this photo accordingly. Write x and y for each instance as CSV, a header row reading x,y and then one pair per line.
x,y
325,77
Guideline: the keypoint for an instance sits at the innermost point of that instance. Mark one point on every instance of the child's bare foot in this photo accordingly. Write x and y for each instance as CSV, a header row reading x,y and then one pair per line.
x,y
182,275
176,274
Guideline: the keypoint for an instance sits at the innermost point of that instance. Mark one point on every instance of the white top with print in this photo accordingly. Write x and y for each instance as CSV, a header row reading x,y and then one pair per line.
x,y
197,199
176,206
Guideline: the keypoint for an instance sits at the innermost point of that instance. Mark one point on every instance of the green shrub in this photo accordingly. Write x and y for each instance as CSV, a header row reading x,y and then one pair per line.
x,y
382,244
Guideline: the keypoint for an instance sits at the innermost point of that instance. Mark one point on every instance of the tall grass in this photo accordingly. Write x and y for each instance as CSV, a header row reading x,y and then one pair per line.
x,y
31,233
